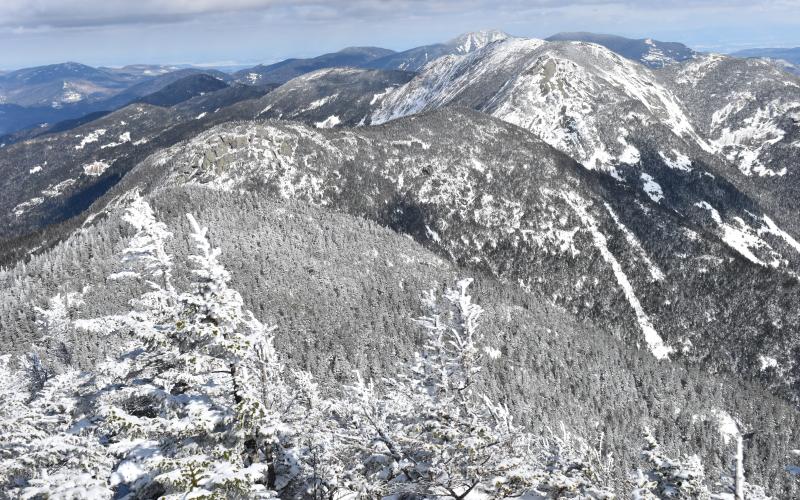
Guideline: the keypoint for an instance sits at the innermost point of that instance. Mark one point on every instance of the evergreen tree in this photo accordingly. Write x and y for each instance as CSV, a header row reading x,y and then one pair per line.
x,y
670,478
44,447
434,432
181,398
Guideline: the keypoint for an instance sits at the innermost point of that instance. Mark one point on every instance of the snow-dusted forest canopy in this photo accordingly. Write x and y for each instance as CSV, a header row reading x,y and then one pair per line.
x,y
196,399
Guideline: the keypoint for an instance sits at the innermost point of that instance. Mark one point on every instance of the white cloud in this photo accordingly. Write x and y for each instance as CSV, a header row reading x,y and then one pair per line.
x,y
28,14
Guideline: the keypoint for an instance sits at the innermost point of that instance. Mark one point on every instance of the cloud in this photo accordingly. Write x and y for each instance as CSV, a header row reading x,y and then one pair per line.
x,y
37,14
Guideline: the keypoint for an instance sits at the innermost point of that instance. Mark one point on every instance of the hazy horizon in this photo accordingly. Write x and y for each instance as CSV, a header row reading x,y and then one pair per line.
x,y
246,32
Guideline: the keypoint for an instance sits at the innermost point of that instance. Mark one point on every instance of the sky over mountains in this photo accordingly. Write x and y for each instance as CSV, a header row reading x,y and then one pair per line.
x,y
217,31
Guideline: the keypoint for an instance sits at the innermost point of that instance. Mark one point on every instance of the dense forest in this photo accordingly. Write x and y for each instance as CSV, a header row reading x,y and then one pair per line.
x,y
345,296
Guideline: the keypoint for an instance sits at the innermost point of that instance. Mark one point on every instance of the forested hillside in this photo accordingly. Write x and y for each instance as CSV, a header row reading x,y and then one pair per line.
x,y
548,369
451,192
494,267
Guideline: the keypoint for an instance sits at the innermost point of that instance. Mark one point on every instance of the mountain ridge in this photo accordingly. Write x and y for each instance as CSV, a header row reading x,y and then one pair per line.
x,y
651,53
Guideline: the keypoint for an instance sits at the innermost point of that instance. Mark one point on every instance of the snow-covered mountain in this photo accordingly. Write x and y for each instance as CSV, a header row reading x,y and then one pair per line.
x,y
610,114
651,53
749,111
629,211
415,59
566,93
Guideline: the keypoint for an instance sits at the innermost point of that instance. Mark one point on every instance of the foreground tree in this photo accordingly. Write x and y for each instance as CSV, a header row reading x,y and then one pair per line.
x,y
43,452
180,410
432,432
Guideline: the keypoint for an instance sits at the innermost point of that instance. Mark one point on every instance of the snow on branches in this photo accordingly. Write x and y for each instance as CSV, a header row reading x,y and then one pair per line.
x,y
188,389
201,405
667,477
433,433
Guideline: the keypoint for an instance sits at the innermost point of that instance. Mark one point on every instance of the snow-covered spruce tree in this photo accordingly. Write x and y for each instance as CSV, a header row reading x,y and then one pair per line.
x,y
665,477
319,450
433,433
571,467
146,261
43,452
54,322
180,410
201,403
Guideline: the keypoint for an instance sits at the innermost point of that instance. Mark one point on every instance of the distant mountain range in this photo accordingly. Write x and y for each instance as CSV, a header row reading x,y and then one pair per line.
x,y
651,53
46,95
791,55
284,71
786,58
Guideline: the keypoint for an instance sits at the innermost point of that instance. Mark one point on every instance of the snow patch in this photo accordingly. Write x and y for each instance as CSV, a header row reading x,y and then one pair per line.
x,y
652,188
380,95
655,273
96,168
743,238
124,138
432,234
319,103
772,228
728,427
24,206
767,362
56,190
681,161
328,122
91,137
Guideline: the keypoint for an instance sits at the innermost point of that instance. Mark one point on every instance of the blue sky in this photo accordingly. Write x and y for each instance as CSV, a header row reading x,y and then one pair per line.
x,y
117,32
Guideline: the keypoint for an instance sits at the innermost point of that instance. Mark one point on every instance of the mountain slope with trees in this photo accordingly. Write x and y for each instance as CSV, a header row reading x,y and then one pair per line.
x,y
361,285
583,230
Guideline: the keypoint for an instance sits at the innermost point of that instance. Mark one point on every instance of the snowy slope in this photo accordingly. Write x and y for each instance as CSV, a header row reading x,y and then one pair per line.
x,y
750,112
492,196
566,93
346,93
610,114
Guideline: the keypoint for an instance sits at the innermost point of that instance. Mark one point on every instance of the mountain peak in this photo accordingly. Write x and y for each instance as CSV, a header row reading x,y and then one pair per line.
x,y
652,53
369,51
475,40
